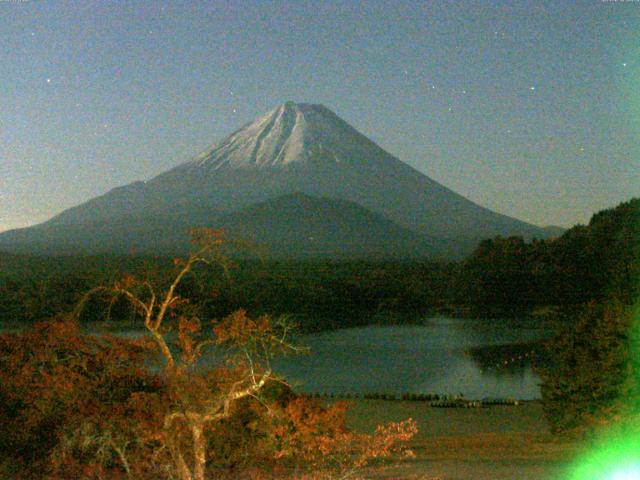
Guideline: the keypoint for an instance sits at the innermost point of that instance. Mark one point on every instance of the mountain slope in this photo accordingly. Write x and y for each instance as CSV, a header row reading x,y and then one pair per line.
x,y
291,226
298,148
305,226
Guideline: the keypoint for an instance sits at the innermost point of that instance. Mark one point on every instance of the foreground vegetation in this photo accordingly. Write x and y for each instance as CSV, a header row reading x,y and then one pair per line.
x,y
74,405
80,406
592,378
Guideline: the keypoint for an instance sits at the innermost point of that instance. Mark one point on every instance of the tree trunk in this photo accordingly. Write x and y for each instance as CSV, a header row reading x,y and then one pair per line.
x,y
199,451
182,469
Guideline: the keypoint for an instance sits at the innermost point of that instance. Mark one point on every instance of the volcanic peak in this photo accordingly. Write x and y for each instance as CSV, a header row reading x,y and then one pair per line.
x,y
291,134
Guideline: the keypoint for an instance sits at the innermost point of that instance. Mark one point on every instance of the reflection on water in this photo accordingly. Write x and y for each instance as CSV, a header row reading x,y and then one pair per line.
x,y
445,357
413,359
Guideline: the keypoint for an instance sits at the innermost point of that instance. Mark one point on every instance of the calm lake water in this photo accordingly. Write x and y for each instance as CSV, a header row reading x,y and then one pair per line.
x,y
413,359
431,358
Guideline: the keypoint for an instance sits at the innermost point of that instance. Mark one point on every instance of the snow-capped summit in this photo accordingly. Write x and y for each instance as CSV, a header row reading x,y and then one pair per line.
x,y
291,134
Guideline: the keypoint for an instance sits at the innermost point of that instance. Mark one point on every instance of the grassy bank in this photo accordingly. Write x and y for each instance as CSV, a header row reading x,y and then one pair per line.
x,y
490,443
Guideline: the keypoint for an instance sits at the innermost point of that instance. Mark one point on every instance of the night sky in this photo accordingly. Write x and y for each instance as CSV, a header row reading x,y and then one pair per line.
x,y
530,108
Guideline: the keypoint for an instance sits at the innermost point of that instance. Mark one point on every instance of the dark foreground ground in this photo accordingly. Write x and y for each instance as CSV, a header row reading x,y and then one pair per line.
x,y
489,443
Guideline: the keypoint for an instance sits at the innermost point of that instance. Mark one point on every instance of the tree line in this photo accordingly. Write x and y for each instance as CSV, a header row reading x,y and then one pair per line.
x,y
319,295
503,277
588,263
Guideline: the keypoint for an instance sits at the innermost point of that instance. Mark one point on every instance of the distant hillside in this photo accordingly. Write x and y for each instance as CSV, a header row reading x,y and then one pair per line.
x,y
593,262
300,225
290,226
603,257
552,231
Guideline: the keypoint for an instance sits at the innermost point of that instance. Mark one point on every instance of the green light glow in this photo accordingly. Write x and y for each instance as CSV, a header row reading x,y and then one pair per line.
x,y
617,458
616,453
626,473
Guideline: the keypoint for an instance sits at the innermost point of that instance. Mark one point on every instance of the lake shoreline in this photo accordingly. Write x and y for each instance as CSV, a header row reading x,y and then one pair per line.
x,y
493,443
430,358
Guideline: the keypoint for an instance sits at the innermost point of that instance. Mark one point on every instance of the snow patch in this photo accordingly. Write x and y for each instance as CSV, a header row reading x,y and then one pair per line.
x,y
291,134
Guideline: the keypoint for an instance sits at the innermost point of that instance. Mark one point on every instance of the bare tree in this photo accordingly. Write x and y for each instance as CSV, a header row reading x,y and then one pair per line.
x,y
201,397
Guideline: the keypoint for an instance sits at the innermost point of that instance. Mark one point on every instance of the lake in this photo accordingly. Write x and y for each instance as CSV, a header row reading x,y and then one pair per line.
x,y
415,359
431,358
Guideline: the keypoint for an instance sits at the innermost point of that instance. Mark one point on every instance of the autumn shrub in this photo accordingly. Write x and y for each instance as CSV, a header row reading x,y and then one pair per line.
x,y
314,437
98,407
74,405
68,399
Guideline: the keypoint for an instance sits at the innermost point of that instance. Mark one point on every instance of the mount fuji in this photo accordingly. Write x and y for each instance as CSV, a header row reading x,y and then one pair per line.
x,y
265,181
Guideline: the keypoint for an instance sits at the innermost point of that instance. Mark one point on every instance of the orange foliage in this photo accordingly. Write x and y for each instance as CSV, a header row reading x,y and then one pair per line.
x,y
79,406
308,431
58,385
